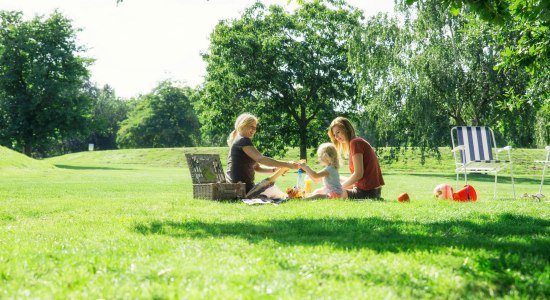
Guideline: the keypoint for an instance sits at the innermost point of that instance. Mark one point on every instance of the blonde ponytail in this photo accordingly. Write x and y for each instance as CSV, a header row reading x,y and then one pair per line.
x,y
242,121
231,137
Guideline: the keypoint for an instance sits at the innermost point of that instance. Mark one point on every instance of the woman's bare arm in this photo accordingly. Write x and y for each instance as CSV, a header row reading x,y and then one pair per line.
x,y
253,153
359,170
258,168
316,176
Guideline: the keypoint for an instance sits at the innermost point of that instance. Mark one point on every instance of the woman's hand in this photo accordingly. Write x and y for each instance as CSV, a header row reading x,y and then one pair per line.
x,y
293,165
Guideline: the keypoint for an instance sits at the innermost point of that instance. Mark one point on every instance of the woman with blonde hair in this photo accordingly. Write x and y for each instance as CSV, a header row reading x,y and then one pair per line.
x,y
244,159
365,181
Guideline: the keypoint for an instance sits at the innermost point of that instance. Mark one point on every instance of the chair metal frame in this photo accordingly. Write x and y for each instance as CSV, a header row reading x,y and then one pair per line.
x,y
464,163
545,163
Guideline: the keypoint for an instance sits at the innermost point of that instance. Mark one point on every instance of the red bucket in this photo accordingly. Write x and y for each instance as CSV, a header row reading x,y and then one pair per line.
x,y
467,193
403,198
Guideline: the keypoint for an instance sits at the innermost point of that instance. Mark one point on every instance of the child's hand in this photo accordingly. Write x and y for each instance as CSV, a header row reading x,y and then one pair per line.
x,y
293,165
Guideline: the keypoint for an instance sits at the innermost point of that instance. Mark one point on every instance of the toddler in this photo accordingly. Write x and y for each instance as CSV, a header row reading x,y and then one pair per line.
x,y
328,157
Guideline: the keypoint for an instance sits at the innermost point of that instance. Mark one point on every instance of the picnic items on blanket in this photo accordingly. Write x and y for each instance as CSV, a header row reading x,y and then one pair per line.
x,y
304,185
308,185
404,197
265,184
300,180
467,193
294,193
443,191
209,179
271,195
263,200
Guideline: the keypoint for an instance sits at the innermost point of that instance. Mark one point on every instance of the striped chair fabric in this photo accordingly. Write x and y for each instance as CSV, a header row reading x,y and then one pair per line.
x,y
478,142
477,155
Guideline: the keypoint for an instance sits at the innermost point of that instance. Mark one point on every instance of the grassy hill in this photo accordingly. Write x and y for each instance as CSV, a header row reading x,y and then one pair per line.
x,y
408,160
155,157
10,159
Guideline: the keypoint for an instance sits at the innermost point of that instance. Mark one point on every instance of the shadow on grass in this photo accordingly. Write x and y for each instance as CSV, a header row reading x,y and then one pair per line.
x,y
509,233
511,252
71,167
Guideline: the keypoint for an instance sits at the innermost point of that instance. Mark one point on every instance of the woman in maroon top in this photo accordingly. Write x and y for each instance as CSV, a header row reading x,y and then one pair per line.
x,y
365,181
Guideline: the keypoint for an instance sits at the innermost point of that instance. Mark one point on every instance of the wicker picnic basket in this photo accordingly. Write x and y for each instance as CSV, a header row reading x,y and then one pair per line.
x,y
209,179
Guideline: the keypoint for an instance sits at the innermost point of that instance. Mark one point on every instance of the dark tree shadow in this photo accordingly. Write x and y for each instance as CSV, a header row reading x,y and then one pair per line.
x,y
507,234
71,167
516,256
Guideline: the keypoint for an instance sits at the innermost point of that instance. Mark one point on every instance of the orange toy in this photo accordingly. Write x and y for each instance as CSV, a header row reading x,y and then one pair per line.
x,y
403,198
443,191
467,193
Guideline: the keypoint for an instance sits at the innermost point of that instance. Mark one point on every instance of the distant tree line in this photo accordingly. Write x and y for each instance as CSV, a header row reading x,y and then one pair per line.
x,y
48,106
405,80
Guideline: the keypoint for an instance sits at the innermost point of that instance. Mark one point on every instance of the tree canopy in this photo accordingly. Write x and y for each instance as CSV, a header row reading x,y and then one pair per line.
x,y
162,118
41,81
290,69
528,19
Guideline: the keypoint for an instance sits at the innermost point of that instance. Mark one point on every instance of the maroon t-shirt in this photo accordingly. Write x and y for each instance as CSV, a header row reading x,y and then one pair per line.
x,y
372,175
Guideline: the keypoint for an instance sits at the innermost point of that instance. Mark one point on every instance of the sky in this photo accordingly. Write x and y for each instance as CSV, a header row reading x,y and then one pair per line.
x,y
138,43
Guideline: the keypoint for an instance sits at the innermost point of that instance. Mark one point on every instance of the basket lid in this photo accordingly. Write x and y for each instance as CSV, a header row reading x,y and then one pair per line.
x,y
205,168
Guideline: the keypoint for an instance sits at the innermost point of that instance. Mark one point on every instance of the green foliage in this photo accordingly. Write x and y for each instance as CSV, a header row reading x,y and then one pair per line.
x,y
163,118
41,81
419,78
529,20
542,125
102,123
289,69
109,112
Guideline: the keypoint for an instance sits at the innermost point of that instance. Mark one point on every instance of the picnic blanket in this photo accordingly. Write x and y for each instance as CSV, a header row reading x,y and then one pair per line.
x,y
265,192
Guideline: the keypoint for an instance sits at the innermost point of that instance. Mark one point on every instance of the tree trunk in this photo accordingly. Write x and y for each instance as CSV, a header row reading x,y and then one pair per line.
x,y
303,142
27,150
303,133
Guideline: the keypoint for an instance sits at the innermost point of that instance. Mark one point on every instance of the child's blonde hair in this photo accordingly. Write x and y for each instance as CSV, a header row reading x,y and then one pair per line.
x,y
242,121
327,153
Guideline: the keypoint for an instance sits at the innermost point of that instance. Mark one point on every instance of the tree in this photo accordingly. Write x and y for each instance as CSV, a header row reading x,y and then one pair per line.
x,y
418,79
41,81
163,118
108,111
529,19
521,28
290,69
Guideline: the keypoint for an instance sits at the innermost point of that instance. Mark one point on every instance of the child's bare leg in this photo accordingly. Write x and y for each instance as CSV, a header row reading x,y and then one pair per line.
x,y
316,196
321,190
344,194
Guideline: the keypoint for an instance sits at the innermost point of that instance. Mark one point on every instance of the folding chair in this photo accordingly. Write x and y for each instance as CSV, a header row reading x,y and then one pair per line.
x,y
545,164
475,145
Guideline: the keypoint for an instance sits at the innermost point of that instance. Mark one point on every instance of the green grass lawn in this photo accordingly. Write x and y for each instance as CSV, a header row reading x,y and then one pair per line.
x,y
123,224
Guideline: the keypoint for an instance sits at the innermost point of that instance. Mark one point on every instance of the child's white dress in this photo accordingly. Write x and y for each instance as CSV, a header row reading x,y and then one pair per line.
x,y
332,187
